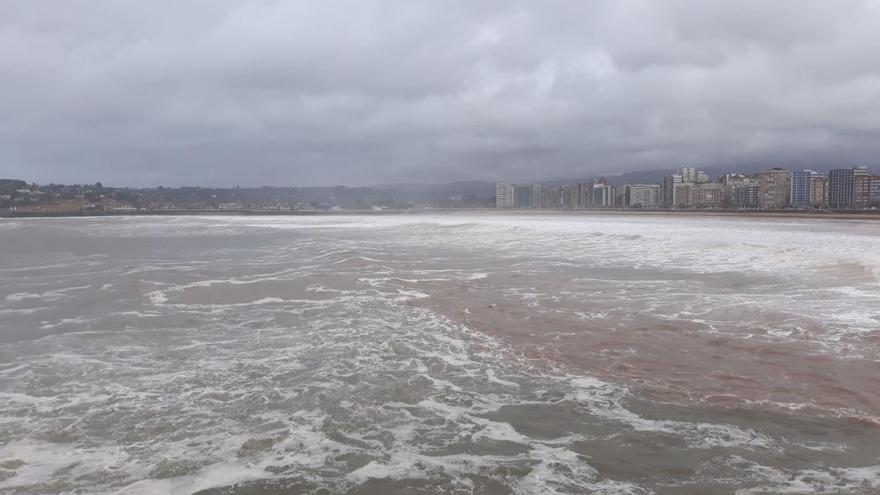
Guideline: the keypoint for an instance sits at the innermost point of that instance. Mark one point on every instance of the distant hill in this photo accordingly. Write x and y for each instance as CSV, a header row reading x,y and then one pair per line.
x,y
8,186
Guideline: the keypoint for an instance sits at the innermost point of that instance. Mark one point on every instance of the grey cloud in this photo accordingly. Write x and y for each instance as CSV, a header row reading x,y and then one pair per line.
x,y
256,92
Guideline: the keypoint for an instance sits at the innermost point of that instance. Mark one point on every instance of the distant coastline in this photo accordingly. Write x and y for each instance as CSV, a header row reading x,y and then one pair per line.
x,y
817,214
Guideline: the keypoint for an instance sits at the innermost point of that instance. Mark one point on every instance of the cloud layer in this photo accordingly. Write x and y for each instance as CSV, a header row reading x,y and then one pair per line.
x,y
256,92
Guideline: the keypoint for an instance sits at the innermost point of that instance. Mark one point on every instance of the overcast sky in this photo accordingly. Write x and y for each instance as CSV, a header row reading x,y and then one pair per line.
x,y
263,92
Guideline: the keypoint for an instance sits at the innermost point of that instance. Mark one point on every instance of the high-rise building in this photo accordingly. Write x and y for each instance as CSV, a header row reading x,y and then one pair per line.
x,y
690,174
866,190
536,196
734,180
677,187
706,195
569,197
841,188
861,187
818,191
669,184
874,198
681,194
583,196
603,195
774,189
503,194
642,196
743,196
801,188
741,191
522,196
551,198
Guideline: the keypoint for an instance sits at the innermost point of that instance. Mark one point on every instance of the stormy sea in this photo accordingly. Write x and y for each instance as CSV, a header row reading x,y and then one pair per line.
x,y
447,353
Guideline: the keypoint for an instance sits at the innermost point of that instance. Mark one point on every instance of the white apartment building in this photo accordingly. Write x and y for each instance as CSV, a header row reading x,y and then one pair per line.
x,y
503,194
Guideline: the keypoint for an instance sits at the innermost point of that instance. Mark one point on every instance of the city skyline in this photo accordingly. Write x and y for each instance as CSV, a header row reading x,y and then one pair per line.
x,y
775,189
854,188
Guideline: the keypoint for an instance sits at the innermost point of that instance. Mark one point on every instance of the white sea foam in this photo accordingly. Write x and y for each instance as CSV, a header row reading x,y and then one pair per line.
x,y
819,481
49,295
605,400
361,384
157,297
61,322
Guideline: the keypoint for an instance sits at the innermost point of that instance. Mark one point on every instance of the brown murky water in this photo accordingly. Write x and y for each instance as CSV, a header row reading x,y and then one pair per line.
x,y
728,362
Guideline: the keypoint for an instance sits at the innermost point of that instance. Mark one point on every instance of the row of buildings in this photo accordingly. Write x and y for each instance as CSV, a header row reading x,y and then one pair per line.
x,y
687,187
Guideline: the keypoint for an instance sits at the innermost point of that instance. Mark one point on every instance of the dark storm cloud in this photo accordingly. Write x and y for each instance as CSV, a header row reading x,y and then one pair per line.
x,y
258,92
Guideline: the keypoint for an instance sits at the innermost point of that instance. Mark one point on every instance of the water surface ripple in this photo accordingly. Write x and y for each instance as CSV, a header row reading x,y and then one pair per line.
x,y
485,354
